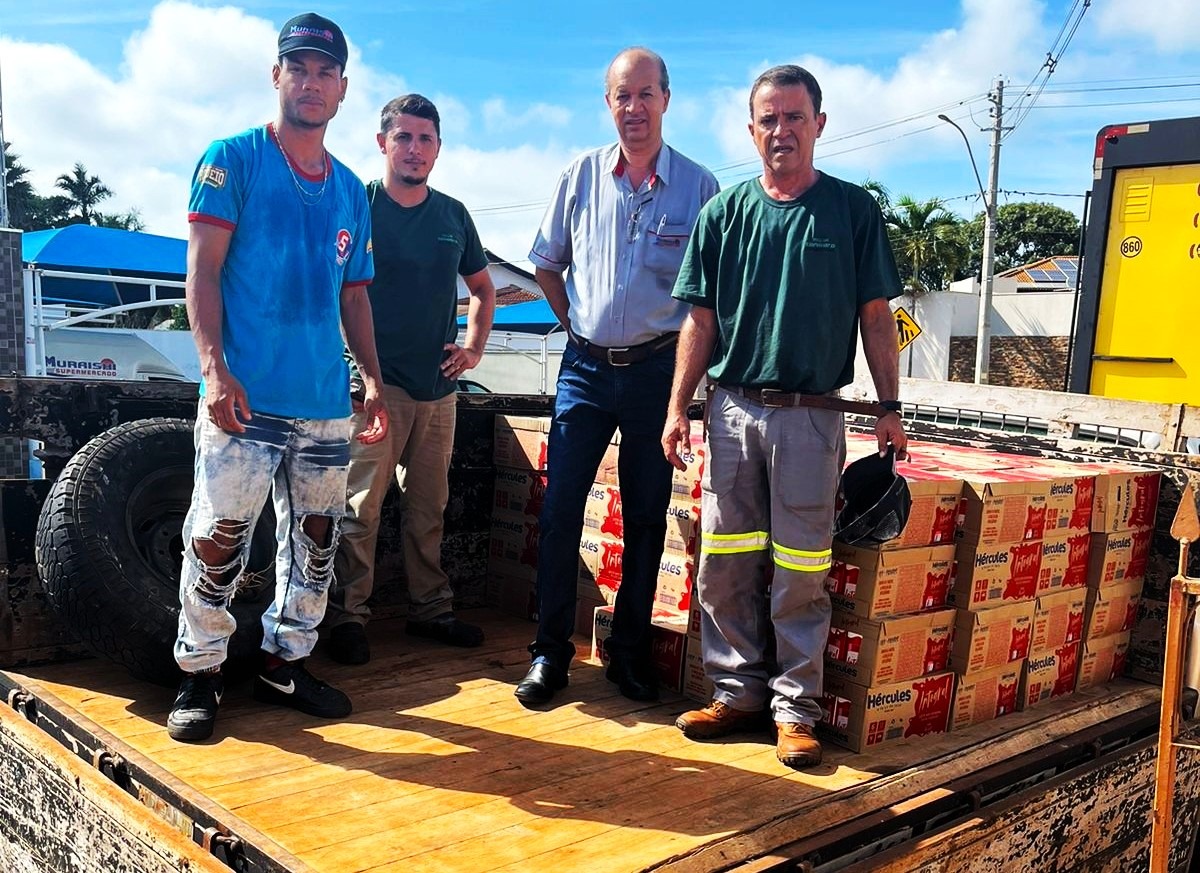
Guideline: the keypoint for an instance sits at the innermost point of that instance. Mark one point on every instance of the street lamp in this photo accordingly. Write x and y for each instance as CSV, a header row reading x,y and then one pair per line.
x,y
983,336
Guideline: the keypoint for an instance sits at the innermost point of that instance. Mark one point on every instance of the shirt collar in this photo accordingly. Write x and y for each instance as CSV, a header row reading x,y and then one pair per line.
x,y
615,164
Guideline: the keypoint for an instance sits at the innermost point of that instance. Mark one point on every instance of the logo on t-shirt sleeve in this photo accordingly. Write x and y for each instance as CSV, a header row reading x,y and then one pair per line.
x,y
211,175
343,246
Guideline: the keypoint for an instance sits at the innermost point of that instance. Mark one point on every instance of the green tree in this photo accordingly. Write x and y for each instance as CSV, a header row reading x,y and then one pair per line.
x,y
1025,232
27,210
879,191
83,192
131,220
926,242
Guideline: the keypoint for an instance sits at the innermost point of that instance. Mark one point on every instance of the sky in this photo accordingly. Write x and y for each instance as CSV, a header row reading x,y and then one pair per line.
x,y
136,90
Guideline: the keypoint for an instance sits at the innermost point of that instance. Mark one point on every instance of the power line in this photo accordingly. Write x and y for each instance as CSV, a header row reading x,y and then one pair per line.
x,y
1066,34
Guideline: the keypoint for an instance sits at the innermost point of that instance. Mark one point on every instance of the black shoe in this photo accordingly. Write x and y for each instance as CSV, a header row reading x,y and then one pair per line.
x,y
636,680
195,709
447,629
540,683
348,643
290,684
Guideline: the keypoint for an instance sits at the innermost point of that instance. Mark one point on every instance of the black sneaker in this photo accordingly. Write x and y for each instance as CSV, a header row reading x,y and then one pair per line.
x,y
348,643
195,709
290,684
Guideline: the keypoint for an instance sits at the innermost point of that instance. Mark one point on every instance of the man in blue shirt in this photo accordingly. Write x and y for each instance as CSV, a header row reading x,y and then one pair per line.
x,y
606,257
279,257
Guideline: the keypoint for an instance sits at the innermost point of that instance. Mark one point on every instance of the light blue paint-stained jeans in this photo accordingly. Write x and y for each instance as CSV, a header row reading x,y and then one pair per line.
x,y
767,503
303,464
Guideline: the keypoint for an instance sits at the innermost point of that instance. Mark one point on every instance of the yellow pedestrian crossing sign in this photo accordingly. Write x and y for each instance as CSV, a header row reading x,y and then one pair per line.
x,y
907,328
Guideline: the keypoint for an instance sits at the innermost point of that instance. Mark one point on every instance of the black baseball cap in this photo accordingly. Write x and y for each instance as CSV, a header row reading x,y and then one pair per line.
x,y
315,33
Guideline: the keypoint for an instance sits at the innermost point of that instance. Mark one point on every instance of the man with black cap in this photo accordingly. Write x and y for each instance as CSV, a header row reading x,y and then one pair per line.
x,y
279,257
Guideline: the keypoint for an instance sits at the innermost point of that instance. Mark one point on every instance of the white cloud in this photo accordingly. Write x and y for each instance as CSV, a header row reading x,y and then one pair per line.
x,y
1171,25
498,118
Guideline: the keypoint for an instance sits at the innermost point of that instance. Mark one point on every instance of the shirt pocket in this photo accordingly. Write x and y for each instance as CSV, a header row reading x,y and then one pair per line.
x,y
665,247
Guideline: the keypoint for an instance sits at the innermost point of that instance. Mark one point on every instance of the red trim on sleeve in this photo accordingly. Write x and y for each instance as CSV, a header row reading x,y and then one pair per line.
x,y
201,218
358,283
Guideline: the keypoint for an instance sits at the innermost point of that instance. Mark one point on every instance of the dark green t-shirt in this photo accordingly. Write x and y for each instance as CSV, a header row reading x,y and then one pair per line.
x,y
420,251
786,279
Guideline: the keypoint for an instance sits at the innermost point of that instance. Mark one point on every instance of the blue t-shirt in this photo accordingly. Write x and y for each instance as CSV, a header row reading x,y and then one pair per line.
x,y
297,241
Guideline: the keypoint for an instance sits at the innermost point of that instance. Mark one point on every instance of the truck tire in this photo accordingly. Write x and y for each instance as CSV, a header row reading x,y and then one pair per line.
x,y
110,548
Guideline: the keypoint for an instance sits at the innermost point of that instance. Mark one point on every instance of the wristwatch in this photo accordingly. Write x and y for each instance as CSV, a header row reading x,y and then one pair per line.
x,y
891,405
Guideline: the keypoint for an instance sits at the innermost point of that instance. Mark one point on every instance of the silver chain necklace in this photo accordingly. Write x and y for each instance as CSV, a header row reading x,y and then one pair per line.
x,y
308,198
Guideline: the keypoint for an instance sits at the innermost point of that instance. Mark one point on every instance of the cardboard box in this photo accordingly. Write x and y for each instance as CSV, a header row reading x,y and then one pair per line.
x,y
1112,610
989,638
673,590
999,508
520,442
1058,618
1048,673
878,652
668,641
1071,495
696,684
934,513
1103,660
990,575
1120,557
874,584
514,595
685,484
519,492
683,527
862,718
513,545
602,511
1126,497
986,695
1064,562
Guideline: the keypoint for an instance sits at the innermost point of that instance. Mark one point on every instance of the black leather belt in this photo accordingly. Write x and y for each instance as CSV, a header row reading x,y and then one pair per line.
x,y
627,355
774,398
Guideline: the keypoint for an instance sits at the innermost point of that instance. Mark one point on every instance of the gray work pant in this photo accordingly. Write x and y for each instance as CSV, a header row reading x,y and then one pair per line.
x,y
767,519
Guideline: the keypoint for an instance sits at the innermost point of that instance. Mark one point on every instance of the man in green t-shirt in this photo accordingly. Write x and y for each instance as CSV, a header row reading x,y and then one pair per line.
x,y
782,271
423,241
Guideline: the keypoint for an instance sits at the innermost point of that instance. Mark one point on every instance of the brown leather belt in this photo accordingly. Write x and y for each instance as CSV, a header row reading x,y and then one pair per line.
x,y
623,357
776,399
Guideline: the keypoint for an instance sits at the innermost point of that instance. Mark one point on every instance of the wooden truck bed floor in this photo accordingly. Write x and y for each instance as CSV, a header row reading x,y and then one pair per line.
x,y
440,769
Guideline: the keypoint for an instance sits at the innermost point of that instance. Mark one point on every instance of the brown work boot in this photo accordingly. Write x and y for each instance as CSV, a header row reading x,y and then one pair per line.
x,y
796,746
718,720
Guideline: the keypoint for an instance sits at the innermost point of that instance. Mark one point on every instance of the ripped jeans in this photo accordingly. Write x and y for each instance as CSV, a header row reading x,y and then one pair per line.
x,y
303,463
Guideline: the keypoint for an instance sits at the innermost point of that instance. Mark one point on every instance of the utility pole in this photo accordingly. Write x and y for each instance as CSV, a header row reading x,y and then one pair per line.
x,y
983,342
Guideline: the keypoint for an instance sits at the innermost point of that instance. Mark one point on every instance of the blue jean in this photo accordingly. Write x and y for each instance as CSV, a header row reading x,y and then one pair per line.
x,y
593,399
303,464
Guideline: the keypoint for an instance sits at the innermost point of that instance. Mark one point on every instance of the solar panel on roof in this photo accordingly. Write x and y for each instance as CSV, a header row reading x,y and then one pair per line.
x,y
1038,275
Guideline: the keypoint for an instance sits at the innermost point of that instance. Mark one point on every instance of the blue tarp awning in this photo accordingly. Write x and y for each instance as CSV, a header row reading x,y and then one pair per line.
x,y
533,316
105,251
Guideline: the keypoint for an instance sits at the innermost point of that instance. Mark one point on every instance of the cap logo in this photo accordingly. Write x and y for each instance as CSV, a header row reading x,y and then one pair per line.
x,y
301,30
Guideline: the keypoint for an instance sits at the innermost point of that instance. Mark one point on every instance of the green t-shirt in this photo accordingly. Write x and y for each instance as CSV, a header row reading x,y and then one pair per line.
x,y
786,279
420,251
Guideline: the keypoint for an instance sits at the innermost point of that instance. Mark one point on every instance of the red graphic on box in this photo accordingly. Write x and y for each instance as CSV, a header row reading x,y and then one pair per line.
x,y
537,495
932,706
1024,565
937,588
1075,626
876,731
610,559
937,654
1006,697
1018,645
1139,553
943,524
1085,492
1078,547
1035,522
613,522
1118,666
1131,609
1068,664
529,552
1143,500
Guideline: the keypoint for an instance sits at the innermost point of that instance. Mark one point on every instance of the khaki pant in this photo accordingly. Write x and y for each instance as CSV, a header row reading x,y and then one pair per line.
x,y
416,451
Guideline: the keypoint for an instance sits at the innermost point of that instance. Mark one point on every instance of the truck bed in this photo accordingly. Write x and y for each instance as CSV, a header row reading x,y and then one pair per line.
x,y
439,768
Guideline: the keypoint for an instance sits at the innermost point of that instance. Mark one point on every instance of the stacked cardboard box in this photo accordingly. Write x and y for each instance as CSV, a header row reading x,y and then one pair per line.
x,y
890,633
1126,498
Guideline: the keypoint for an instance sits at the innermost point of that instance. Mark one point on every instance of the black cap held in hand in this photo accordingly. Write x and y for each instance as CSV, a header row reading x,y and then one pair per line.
x,y
314,33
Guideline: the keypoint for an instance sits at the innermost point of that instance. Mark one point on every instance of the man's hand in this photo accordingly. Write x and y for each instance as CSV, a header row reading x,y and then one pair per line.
x,y
459,360
890,429
678,429
226,401
376,415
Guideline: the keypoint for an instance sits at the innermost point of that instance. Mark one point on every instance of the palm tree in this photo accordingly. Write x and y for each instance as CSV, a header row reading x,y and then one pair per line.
x,y
879,191
83,191
923,236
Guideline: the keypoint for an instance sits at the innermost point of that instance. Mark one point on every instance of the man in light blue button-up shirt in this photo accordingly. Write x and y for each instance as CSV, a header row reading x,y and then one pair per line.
x,y
606,257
